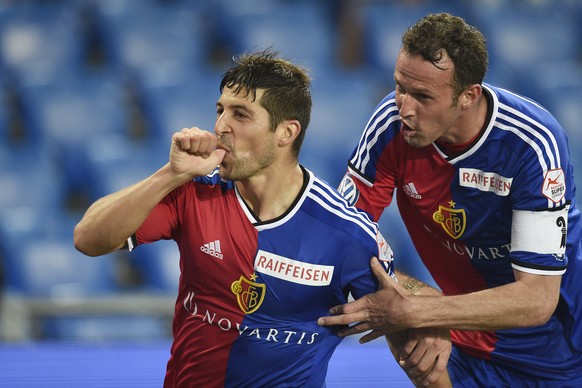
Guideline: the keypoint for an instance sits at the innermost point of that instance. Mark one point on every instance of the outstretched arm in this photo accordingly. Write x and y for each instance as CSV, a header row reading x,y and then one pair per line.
x,y
529,301
111,220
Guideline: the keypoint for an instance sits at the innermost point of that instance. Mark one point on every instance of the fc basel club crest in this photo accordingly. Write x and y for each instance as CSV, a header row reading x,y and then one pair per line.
x,y
249,294
452,220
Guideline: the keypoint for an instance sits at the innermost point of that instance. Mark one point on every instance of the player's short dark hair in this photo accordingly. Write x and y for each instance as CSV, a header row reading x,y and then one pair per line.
x,y
287,88
464,44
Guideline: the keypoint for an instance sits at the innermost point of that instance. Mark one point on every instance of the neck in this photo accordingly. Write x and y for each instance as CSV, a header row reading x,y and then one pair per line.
x,y
270,195
474,121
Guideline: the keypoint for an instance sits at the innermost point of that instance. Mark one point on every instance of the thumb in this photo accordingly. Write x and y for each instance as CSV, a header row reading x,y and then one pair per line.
x,y
208,163
216,156
380,272
219,154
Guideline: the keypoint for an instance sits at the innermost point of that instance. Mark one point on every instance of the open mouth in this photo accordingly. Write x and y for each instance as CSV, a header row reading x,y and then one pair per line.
x,y
406,130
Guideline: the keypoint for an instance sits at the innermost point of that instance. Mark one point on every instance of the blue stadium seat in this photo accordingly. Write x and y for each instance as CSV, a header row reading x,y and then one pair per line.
x,y
114,162
35,36
68,108
560,91
298,30
523,35
337,123
45,264
141,36
159,265
385,22
41,265
180,99
4,120
30,177
66,111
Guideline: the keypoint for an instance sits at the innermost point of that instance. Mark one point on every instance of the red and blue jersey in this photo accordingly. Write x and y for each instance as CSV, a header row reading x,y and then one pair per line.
x,y
251,291
505,202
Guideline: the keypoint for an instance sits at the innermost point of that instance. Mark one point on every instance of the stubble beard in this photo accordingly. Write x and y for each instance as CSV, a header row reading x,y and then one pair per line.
x,y
245,167
417,141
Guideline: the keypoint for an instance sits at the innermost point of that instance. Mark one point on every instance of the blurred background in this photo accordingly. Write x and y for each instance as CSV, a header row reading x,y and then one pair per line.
x,y
91,91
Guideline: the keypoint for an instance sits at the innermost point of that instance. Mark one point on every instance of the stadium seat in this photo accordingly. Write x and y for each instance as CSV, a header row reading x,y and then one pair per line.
x,y
70,107
4,119
385,22
300,31
40,36
43,264
140,36
180,99
67,110
337,123
523,36
560,91
30,177
159,266
113,162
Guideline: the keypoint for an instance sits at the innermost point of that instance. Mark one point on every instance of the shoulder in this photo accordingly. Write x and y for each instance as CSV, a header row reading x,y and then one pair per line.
x,y
526,125
326,204
539,146
381,131
521,112
384,114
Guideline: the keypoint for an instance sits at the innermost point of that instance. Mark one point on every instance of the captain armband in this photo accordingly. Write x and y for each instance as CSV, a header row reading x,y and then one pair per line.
x,y
540,231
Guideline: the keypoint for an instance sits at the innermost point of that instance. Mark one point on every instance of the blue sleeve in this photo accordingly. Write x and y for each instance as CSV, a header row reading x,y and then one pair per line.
x,y
356,271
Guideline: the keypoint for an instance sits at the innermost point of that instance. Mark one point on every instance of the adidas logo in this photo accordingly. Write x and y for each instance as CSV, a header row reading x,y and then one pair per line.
x,y
213,249
410,190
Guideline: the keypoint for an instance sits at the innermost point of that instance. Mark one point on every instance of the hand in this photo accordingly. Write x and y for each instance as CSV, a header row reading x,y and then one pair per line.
x,y
422,353
194,153
382,311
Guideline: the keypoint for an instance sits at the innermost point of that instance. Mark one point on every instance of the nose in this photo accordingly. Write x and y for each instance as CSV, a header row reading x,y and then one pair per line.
x,y
220,126
405,105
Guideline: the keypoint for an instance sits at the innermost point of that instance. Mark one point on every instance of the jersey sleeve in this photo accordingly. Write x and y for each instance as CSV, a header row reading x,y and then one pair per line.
x,y
357,268
541,193
371,177
162,221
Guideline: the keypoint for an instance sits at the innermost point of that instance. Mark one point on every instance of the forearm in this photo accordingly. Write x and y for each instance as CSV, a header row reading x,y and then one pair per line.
x,y
111,220
415,286
518,304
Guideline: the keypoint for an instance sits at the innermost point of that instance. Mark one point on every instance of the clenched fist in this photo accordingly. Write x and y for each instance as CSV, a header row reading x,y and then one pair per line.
x,y
194,152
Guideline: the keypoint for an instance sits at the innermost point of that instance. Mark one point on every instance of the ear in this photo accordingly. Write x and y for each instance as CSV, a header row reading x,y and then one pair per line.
x,y
471,96
289,130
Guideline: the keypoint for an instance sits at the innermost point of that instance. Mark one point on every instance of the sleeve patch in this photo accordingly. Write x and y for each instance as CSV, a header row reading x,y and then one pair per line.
x,y
554,186
349,190
385,254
